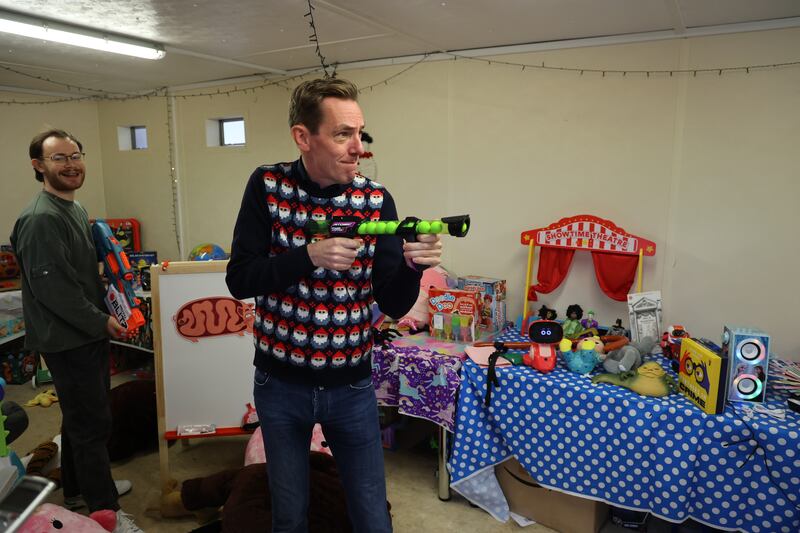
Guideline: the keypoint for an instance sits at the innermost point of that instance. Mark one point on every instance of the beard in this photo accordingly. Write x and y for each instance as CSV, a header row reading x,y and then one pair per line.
x,y
65,180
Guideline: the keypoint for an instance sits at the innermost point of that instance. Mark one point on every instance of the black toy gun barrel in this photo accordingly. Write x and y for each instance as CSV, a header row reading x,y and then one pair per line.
x,y
408,228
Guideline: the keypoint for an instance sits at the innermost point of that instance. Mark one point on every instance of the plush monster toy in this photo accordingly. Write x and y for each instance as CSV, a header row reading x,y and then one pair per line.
x,y
629,357
648,380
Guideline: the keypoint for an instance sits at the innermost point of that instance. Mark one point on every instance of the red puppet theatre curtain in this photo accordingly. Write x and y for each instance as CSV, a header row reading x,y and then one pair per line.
x,y
615,273
616,255
554,266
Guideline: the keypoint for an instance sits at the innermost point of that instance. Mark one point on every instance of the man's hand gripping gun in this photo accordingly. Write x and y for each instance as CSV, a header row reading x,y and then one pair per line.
x,y
409,228
120,299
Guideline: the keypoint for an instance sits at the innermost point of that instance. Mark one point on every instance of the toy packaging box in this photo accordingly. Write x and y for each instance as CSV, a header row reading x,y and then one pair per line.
x,y
702,375
140,264
493,295
454,314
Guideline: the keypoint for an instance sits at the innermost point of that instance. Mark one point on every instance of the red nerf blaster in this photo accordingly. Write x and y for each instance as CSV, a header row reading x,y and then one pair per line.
x,y
120,299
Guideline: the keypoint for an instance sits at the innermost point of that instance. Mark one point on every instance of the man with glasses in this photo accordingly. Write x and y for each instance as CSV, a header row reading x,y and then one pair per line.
x,y
66,321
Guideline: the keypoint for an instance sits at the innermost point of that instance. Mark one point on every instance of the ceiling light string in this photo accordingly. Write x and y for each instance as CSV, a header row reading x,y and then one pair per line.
x,y
158,93
386,81
314,38
648,72
63,84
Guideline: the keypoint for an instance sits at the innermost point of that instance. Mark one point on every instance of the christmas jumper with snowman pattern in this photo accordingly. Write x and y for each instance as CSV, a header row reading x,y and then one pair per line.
x,y
313,325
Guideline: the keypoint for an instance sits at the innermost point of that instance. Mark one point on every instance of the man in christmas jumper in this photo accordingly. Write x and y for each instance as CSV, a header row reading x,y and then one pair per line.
x,y
313,295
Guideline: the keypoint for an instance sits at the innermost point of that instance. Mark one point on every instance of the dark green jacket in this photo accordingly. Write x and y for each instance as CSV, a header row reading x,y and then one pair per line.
x,y
62,295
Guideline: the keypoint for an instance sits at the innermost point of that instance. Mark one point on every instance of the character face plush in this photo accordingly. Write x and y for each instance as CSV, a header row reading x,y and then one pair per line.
x,y
49,518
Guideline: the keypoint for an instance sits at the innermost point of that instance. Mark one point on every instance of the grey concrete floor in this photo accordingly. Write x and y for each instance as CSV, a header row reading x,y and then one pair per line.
x,y
411,479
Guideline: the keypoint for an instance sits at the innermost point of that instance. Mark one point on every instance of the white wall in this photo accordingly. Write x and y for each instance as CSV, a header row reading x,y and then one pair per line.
x,y
704,166
18,125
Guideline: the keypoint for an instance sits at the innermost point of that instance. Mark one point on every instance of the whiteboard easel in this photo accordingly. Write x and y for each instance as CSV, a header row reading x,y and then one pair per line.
x,y
204,373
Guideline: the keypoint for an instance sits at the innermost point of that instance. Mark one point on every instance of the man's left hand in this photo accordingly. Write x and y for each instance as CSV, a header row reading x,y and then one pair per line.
x,y
426,251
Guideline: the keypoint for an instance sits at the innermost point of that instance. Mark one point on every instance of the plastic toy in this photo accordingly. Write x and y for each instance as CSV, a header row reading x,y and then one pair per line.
x,y
545,313
671,343
120,298
572,324
618,329
629,357
589,322
409,228
207,252
648,380
544,334
617,256
9,268
584,359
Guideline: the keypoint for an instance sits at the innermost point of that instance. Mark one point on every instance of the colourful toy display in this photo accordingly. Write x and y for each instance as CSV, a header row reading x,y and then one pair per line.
x,y
617,256
120,298
648,380
207,252
589,322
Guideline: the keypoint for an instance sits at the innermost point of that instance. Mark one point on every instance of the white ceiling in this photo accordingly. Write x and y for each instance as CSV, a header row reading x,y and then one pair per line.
x,y
221,39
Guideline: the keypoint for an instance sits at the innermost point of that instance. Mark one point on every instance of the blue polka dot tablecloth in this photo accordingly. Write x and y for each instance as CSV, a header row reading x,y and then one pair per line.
x,y
736,471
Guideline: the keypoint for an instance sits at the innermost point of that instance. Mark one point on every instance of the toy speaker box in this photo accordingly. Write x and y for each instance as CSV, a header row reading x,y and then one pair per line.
x,y
703,374
748,352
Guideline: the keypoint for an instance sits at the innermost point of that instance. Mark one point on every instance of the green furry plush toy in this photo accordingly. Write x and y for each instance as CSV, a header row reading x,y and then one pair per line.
x,y
648,380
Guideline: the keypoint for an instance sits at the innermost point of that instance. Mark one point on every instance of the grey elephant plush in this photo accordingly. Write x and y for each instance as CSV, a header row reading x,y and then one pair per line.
x,y
629,357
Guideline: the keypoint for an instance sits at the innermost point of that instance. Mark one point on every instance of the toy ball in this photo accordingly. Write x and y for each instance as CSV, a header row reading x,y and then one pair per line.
x,y
9,268
207,252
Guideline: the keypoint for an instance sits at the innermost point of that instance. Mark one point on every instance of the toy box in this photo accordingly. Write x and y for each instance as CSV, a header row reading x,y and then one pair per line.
x,y
140,264
702,375
454,314
11,320
493,294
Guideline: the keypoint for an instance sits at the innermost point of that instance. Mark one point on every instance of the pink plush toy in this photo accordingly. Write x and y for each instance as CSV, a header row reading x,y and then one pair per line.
x,y
49,518
418,315
254,453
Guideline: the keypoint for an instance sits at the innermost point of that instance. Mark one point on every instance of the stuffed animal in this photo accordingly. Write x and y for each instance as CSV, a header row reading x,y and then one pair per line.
x,y
648,380
628,357
254,453
244,496
49,518
418,316
45,399
584,359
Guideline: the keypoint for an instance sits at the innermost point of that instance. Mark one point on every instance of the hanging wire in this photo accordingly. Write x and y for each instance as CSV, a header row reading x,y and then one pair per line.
x,y
70,86
172,171
386,81
648,72
314,38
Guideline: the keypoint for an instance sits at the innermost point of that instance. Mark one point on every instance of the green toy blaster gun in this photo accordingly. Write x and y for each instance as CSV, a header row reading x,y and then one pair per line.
x,y
409,228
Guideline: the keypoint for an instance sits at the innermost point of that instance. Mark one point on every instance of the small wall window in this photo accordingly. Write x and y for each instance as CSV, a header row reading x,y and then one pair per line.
x,y
225,132
132,137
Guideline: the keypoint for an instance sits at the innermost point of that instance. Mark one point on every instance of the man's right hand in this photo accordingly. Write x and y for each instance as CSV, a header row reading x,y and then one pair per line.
x,y
337,253
114,329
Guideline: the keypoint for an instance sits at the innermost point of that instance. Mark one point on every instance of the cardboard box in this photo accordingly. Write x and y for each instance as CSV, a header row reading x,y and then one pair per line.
x,y
556,510
454,314
493,296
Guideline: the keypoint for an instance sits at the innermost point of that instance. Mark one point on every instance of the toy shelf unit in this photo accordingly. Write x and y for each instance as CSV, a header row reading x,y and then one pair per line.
x,y
617,256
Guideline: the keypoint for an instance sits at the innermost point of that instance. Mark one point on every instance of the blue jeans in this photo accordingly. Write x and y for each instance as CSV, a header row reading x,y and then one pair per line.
x,y
349,418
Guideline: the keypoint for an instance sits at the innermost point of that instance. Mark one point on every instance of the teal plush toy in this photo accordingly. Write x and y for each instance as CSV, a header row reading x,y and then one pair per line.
x,y
583,360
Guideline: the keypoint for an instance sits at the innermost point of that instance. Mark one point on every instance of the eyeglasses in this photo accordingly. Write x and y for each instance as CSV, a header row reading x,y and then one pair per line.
x,y
62,158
